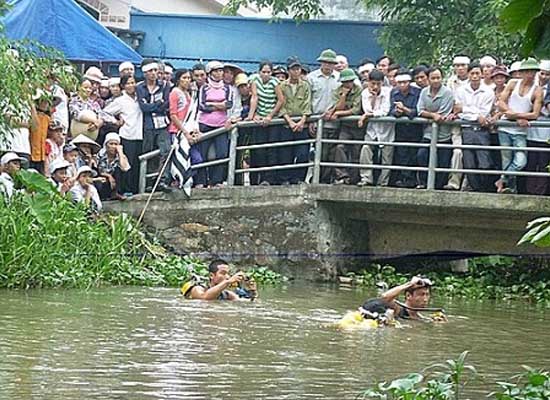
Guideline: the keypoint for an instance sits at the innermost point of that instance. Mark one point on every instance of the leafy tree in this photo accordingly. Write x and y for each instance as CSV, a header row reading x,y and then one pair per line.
x,y
27,69
532,19
429,31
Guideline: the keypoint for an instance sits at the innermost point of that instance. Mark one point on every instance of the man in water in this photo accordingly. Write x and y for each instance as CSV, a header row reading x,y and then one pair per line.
x,y
219,285
417,297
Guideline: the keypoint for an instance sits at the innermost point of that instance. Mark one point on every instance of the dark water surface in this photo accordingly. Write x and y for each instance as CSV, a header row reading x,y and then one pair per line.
x,y
142,343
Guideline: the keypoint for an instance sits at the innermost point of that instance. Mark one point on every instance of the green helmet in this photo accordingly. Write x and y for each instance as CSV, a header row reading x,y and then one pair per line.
x,y
328,56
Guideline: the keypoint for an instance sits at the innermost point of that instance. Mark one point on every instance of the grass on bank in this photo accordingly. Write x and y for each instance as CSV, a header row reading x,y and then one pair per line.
x,y
48,241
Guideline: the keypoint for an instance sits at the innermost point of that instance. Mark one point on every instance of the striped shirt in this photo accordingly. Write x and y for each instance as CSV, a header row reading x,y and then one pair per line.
x,y
267,98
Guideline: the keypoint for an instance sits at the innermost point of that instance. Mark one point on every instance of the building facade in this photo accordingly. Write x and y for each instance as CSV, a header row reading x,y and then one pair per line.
x,y
116,13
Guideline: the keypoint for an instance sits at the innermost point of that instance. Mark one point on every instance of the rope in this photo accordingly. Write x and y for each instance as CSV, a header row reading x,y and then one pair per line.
x,y
159,177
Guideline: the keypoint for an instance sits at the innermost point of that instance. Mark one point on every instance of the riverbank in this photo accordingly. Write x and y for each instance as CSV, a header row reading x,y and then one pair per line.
x,y
48,241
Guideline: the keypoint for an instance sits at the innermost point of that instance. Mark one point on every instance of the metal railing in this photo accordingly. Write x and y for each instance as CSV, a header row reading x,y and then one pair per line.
x,y
319,141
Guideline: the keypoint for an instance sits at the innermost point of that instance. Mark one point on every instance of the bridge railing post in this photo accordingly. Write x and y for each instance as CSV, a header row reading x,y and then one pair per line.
x,y
432,163
233,138
142,175
318,153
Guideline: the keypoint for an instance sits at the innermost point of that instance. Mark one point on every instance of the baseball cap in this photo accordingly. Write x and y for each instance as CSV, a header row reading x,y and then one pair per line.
x,y
84,169
9,157
58,164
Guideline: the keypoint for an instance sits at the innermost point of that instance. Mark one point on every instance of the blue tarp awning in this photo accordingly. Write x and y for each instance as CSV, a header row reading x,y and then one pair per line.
x,y
250,40
65,26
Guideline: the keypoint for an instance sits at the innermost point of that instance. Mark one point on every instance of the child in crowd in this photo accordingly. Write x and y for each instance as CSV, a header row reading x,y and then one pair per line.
x,y
54,143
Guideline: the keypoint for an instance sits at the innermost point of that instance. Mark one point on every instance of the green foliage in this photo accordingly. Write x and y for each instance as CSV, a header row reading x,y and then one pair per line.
x,y
434,31
48,241
446,384
538,233
376,274
27,72
300,9
449,379
423,31
265,276
531,385
532,19
493,277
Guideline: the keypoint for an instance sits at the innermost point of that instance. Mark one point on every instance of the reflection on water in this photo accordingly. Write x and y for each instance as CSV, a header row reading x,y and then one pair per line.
x,y
150,343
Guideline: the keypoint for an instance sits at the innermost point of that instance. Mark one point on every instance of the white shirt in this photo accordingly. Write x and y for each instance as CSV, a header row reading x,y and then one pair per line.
x,y
454,83
475,103
322,88
6,185
56,151
61,112
78,194
128,108
378,106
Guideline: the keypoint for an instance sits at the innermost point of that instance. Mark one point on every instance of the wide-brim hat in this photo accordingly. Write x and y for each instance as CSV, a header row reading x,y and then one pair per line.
x,y
328,56
236,69
94,74
515,66
241,79
84,139
347,75
82,129
500,71
530,64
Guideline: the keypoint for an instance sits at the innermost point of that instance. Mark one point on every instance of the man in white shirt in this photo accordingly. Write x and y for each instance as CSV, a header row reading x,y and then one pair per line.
x,y
456,81
10,164
474,102
376,103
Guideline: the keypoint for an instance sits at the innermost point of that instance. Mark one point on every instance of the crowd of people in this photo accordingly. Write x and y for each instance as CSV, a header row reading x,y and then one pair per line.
x,y
88,143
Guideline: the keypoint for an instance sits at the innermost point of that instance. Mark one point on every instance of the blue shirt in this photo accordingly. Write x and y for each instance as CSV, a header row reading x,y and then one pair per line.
x,y
154,105
410,100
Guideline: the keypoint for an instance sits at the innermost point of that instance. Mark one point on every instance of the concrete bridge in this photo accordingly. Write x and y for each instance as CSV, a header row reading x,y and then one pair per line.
x,y
333,229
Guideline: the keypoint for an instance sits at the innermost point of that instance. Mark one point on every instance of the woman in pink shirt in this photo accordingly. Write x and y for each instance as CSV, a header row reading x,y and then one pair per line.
x,y
214,101
183,118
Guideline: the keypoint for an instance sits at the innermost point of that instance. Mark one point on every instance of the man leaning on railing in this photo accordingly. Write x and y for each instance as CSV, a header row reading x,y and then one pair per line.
x,y
473,102
347,98
297,103
435,103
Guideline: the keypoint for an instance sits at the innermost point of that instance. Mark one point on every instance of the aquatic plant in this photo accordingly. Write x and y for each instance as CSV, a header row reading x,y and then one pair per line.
x,y
265,276
446,384
48,241
449,379
532,384
493,277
